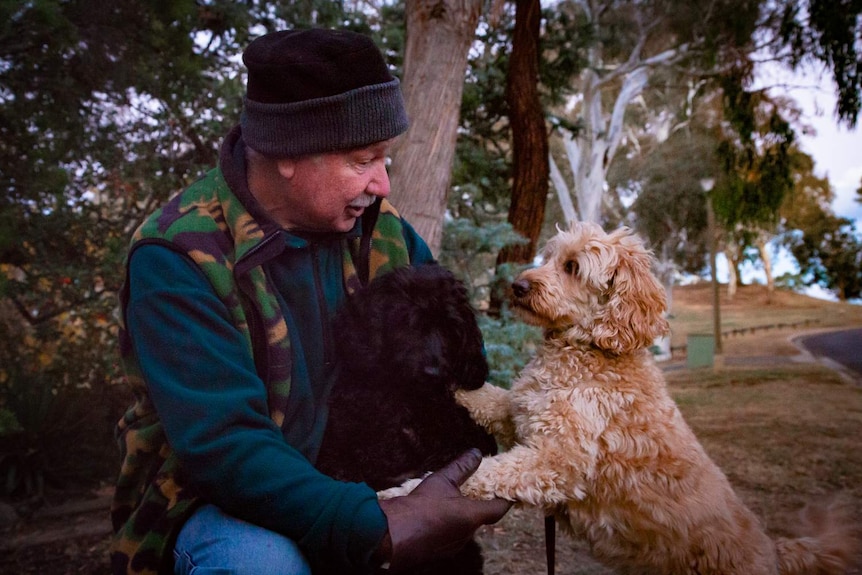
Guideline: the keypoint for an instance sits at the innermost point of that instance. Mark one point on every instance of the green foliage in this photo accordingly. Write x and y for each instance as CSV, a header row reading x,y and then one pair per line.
x,y
509,344
23,465
757,165
8,423
88,153
58,405
566,36
22,472
791,281
470,251
482,169
825,246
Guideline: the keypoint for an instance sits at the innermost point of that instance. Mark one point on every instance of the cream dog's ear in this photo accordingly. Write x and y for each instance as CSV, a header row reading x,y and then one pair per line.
x,y
633,316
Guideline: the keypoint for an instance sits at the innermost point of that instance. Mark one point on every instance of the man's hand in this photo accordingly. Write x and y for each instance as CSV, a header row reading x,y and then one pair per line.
x,y
435,519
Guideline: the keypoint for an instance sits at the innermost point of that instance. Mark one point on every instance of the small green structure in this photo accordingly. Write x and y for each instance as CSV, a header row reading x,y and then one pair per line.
x,y
700,350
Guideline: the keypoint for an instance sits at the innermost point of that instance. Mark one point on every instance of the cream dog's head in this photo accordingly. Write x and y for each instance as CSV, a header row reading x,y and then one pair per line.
x,y
594,288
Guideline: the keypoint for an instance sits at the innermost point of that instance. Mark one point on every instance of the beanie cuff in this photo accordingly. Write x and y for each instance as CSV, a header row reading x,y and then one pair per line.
x,y
354,119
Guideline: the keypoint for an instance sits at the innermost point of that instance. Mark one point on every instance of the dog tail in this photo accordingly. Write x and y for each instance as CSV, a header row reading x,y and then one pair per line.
x,y
829,547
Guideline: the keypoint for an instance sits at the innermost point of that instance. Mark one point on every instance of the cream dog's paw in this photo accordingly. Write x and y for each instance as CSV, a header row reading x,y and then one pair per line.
x,y
463,397
487,396
401,490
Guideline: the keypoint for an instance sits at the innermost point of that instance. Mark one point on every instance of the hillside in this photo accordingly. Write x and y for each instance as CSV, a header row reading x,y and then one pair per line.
x,y
752,317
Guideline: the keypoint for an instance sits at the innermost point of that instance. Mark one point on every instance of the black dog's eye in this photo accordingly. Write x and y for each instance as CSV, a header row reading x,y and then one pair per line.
x,y
571,267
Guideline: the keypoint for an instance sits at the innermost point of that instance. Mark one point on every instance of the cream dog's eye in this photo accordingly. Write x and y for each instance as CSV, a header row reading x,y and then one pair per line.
x,y
571,267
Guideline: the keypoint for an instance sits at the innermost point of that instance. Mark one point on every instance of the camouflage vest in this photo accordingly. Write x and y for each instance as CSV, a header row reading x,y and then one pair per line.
x,y
209,223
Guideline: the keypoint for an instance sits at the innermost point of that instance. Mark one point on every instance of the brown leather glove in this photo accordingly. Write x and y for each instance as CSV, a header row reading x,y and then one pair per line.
x,y
435,520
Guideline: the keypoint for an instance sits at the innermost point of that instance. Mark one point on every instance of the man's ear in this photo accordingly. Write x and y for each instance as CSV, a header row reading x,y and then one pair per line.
x,y
286,167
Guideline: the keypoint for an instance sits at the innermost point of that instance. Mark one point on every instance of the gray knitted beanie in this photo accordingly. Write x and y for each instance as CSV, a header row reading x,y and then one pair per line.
x,y
312,91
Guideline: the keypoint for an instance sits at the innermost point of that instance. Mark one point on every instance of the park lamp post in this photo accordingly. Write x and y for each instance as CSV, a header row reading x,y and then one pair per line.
x,y
707,184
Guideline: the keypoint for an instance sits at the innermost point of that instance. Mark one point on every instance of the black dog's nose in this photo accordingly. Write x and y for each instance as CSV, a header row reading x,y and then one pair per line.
x,y
520,288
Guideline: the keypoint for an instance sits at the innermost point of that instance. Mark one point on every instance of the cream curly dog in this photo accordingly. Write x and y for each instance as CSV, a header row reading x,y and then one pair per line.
x,y
594,437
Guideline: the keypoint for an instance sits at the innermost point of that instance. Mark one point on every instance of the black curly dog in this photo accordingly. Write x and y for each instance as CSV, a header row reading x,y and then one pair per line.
x,y
406,342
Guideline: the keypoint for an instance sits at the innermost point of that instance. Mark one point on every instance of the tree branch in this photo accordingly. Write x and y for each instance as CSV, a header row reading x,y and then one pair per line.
x,y
632,86
563,193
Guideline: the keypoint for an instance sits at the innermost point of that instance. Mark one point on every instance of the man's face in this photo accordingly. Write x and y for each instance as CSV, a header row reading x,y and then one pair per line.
x,y
328,192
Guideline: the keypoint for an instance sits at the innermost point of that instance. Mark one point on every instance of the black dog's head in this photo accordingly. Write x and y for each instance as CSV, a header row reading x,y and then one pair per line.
x,y
416,322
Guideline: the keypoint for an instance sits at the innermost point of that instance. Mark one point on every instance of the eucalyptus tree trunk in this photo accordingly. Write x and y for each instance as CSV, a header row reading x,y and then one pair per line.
x,y
766,258
731,254
529,134
592,151
439,35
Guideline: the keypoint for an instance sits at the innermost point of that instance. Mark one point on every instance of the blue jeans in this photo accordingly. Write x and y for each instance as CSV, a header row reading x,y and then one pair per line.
x,y
214,543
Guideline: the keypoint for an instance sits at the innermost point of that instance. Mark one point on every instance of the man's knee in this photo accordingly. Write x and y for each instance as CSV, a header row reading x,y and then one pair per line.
x,y
213,540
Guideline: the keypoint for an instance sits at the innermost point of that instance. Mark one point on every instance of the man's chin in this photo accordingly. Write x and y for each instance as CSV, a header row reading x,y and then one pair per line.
x,y
347,222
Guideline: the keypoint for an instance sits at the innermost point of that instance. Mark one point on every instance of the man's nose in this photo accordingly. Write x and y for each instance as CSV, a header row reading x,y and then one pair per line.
x,y
379,183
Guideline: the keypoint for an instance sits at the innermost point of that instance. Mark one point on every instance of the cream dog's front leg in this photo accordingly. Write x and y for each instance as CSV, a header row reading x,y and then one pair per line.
x,y
537,475
490,407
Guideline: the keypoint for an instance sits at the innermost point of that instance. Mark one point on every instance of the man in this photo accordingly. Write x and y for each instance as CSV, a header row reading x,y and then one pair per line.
x,y
230,289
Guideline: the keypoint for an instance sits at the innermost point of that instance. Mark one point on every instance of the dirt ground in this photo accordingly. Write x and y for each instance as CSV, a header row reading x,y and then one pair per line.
x,y
70,535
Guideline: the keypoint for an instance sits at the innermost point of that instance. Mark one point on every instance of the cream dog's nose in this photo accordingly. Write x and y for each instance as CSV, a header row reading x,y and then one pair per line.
x,y
520,287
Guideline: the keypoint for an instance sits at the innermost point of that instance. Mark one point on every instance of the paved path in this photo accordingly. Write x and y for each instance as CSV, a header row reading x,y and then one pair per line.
x,y
842,347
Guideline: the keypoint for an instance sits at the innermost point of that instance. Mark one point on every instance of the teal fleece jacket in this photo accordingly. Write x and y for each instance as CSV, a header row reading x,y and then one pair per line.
x,y
212,403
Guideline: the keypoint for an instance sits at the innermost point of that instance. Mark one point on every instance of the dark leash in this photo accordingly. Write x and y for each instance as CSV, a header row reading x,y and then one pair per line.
x,y
550,542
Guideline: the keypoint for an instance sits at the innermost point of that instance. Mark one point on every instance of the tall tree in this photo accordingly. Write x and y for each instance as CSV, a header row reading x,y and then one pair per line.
x,y
96,118
107,107
757,155
439,35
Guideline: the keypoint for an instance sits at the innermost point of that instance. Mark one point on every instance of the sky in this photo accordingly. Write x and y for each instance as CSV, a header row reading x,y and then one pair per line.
x,y
837,153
